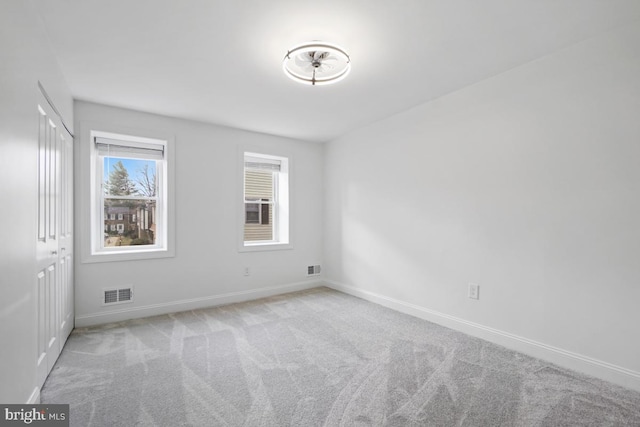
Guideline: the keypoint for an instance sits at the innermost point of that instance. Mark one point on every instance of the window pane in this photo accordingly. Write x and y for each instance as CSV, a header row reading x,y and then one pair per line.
x,y
258,187
258,184
129,177
137,226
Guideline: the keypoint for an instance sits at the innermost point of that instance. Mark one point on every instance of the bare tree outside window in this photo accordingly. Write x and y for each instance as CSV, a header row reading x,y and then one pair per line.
x,y
146,181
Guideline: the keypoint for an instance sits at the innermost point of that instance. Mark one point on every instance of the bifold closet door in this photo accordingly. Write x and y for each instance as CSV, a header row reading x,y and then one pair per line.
x,y
54,245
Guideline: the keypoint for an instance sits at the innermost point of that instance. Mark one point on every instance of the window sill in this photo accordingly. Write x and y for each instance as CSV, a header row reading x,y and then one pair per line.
x,y
259,247
131,255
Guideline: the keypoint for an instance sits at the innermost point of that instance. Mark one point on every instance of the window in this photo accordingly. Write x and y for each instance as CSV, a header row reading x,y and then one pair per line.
x,y
258,211
252,213
129,195
265,201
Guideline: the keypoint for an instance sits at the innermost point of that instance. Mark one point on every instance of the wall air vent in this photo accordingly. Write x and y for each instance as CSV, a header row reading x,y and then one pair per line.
x,y
117,296
313,270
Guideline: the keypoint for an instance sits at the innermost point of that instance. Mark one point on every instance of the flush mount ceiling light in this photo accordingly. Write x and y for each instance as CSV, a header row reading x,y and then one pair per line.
x,y
316,63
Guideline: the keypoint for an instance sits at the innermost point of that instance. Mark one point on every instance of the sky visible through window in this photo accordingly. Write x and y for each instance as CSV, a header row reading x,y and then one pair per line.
x,y
134,167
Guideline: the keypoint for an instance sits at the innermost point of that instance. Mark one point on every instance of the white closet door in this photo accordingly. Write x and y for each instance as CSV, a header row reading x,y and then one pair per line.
x,y
65,243
54,246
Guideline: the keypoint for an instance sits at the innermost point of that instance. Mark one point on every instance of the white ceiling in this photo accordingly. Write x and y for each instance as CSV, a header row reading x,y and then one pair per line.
x,y
219,61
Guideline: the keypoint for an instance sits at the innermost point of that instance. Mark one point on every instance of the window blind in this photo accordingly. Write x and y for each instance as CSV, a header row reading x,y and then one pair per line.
x,y
261,163
129,149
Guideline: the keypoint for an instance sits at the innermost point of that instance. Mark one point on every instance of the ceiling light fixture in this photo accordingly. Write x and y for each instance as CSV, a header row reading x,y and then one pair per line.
x,y
316,63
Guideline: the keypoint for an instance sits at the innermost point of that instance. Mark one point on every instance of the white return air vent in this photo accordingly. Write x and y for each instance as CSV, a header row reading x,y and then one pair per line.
x,y
117,296
313,270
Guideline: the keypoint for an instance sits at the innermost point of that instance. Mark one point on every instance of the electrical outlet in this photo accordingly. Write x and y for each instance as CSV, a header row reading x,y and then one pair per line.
x,y
247,272
474,291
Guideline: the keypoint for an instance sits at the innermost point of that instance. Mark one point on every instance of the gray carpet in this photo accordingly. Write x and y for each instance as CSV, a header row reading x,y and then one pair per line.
x,y
316,358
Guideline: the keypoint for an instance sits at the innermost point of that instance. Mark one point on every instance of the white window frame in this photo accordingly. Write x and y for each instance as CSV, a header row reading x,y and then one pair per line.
x,y
92,249
281,220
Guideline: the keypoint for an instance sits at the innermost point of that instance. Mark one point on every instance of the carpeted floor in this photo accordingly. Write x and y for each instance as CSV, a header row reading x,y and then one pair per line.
x,y
316,358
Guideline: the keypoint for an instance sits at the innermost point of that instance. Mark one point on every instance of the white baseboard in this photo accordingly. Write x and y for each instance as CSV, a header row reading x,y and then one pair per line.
x,y
34,399
567,359
189,304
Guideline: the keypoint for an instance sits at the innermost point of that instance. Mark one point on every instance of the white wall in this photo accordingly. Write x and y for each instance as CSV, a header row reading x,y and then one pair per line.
x,y
207,268
25,59
529,185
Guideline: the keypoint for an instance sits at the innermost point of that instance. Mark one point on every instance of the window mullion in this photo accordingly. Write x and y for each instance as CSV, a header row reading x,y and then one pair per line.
x,y
107,196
